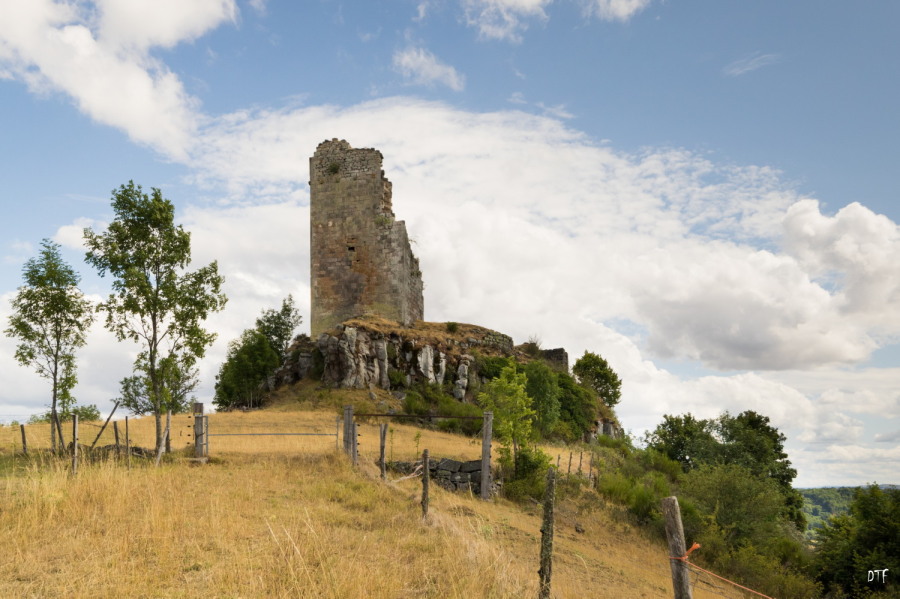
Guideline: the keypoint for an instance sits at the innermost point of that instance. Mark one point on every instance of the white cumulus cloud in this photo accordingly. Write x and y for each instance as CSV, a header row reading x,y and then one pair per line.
x,y
419,66
97,55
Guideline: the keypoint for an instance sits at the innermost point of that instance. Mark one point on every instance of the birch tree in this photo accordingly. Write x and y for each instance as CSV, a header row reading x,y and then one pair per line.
x,y
155,301
50,319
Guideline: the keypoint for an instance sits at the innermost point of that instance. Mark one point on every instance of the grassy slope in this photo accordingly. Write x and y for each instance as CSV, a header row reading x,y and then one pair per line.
x,y
288,517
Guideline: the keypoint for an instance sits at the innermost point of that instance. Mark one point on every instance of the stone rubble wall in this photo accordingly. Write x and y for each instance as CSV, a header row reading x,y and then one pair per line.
x,y
449,474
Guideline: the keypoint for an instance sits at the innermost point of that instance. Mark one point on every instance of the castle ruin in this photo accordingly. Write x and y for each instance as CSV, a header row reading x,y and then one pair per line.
x,y
361,262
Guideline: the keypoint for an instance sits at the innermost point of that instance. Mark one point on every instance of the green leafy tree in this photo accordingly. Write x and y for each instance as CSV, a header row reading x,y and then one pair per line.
x,y
278,325
744,508
177,380
594,372
50,318
506,397
542,388
155,301
577,408
747,440
249,361
866,538
685,439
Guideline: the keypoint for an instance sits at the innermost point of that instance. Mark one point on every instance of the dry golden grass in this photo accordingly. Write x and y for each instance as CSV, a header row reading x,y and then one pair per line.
x,y
289,517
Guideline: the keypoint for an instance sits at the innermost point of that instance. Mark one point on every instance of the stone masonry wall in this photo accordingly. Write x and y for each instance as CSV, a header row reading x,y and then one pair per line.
x,y
450,474
360,256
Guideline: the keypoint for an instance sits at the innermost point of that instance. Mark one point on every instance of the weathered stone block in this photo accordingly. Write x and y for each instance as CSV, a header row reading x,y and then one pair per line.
x,y
450,465
470,466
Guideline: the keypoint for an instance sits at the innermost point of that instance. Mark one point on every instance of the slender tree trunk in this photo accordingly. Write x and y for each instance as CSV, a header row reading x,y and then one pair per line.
x,y
157,416
168,428
515,455
54,418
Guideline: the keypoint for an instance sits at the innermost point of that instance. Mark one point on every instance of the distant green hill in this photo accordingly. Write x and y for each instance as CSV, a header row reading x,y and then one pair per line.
x,y
822,503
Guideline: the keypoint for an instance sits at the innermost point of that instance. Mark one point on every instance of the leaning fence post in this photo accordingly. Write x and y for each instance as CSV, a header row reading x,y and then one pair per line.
x,y
681,581
547,536
486,435
105,424
74,444
426,477
382,434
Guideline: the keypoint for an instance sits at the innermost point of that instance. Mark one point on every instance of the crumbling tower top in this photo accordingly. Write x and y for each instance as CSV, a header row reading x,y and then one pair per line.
x,y
360,256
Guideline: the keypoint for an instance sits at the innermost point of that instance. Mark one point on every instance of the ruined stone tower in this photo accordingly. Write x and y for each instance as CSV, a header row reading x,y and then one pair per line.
x,y
361,260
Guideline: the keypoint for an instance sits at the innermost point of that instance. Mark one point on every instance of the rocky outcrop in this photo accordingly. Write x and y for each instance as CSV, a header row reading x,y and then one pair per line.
x,y
356,358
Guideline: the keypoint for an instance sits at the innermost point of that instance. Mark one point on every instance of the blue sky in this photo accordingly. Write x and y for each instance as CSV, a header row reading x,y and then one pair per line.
x,y
703,192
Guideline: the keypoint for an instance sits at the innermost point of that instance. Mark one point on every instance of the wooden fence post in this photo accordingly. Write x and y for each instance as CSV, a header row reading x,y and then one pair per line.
x,y
569,473
337,434
348,420
580,455
354,442
127,444
116,434
199,436
382,434
591,469
487,431
24,442
547,536
74,444
426,478
681,581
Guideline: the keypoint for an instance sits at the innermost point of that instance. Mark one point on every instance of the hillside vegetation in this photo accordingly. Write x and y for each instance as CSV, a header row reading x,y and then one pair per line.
x,y
290,517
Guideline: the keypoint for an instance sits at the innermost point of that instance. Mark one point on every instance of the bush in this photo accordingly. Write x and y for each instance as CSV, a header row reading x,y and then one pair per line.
x,y
452,328
413,403
659,462
318,365
449,406
528,476
397,378
562,431
490,367
431,400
